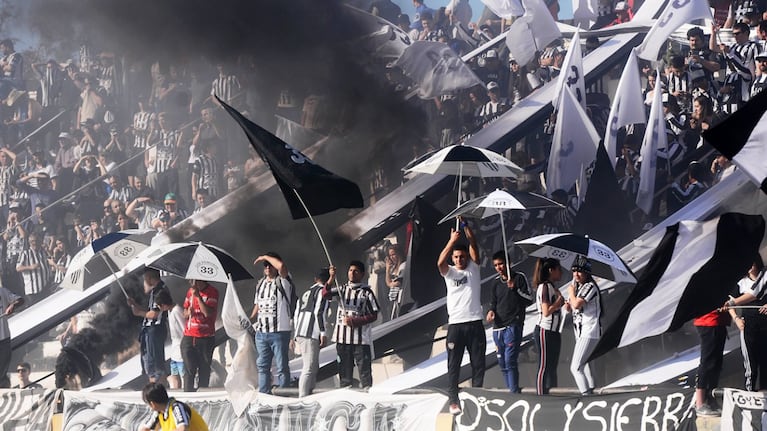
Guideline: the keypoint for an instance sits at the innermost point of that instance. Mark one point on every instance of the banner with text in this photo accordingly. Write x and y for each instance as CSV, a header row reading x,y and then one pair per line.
x,y
339,409
744,411
652,409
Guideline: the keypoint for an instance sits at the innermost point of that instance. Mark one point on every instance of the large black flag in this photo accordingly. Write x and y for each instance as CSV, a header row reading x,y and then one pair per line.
x,y
691,272
742,138
321,190
604,213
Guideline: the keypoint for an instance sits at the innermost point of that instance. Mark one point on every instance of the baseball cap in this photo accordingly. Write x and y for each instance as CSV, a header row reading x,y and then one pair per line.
x,y
64,135
621,5
762,56
491,53
170,198
492,85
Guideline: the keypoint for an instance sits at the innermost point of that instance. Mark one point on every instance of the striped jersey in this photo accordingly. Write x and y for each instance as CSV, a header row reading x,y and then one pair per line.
x,y
64,262
356,300
547,294
273,305
206,169
35,280
141,121
586,319
309,318
7,178
165,150
757,288
152,306
225,87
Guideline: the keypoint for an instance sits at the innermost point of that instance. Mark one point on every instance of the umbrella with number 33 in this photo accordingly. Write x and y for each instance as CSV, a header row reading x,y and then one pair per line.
x,y
195,261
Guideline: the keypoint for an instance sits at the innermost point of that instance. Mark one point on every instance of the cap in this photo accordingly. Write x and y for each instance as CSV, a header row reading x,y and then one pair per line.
x,y
65,135
621,5
170,198
491,53
492,85
14,96
762,56
581,264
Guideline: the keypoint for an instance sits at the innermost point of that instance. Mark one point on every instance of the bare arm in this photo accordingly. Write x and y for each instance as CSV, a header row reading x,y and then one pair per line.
x,y
442,261
278,264
473,249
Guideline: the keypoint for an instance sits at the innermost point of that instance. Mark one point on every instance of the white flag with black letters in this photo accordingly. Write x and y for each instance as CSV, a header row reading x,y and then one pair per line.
x,y
676,13
572,72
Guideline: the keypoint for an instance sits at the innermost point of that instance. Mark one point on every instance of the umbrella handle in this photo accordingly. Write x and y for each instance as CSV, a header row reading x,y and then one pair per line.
x,y
119,283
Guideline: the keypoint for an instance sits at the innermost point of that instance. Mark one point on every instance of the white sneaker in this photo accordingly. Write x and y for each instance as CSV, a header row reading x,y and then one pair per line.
x,y
455,409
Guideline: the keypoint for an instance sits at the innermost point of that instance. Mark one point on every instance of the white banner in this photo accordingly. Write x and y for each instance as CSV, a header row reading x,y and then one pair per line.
x,y
436,69
505,8
242,377
677,12
25,409
744,411
339,409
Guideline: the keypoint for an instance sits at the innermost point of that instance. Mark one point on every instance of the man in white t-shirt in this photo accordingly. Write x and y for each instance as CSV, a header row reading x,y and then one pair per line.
x,y
464,308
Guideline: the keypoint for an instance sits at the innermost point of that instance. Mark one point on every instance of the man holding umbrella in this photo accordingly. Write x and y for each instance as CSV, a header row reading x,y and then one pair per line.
x,y
464,309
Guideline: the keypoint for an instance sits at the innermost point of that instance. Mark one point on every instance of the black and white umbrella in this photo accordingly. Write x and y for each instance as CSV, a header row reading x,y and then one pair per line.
x,y
105,256
467,161
195,261
565,247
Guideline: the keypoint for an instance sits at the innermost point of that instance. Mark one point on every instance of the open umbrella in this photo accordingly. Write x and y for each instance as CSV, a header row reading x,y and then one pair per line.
x,y
565,247
105,256
195,261
466,160
496,203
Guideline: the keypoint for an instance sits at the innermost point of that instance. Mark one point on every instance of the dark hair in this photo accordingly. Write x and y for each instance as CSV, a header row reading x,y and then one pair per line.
x,y
24,365
763,25
155,392
543,267
322,275
677,61
500,255
358,264
695,31
461,247
163,298
153,273
742,27
6,42
203,192
273,254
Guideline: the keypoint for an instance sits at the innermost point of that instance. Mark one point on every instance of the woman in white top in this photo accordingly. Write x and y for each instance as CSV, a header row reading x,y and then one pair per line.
x,y
585,303
548,302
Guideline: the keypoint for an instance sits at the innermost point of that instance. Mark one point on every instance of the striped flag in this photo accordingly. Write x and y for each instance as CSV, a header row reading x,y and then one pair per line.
x,y
742,138
654,139
627,107
690,274
743,410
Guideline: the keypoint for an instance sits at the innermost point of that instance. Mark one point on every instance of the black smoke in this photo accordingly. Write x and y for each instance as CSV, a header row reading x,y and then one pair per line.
x,y
112,331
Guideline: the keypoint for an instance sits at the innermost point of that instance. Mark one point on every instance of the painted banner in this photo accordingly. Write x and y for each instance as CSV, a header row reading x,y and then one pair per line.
x,y
339,409
653,409
744,411
25,409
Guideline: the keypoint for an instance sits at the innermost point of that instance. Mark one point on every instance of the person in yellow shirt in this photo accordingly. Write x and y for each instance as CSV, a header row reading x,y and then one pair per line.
x,y
169,413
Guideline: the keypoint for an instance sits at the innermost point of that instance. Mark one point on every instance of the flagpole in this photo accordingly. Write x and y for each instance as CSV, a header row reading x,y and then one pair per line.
x,y
322,241
505,247
460,184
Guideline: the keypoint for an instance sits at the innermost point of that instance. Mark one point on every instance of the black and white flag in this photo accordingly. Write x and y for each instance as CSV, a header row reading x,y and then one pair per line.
x,y
690,273
436,68
297,175
742,138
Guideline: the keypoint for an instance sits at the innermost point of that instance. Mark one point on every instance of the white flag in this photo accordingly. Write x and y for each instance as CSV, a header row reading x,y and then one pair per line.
x,y
677,12
627,106
574,144
377,36
505,8
242,381
654,139
436,69
531,32
572,73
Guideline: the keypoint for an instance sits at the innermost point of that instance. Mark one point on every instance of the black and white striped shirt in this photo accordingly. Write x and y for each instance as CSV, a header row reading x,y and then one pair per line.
x,y
7,178
273,305
166,150
586,320
141,135
759,84
152,306
124,194
64,262
206,169
309,318
547,294
225,87
357,300
35,280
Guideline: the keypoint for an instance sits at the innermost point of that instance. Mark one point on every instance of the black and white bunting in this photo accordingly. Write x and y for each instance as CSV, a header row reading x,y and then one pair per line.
x,y
689,274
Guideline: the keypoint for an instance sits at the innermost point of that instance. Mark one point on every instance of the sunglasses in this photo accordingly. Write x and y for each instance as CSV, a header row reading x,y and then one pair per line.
x,y
22,370
735,33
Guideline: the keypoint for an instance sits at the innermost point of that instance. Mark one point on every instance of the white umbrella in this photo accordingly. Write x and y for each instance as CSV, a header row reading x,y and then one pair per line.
x,y
496,203
565,247
466,160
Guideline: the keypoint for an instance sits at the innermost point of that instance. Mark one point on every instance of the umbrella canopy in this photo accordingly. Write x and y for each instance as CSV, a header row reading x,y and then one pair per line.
x,y
499,200
465,160
195,261
565,247
105,256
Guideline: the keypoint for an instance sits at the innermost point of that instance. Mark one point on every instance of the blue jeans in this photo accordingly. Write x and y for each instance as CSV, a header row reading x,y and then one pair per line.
x,y
272,345
153,351
507,342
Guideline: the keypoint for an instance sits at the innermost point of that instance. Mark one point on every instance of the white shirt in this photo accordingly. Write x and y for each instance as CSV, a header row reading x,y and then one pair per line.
x,y
176,323
463,294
